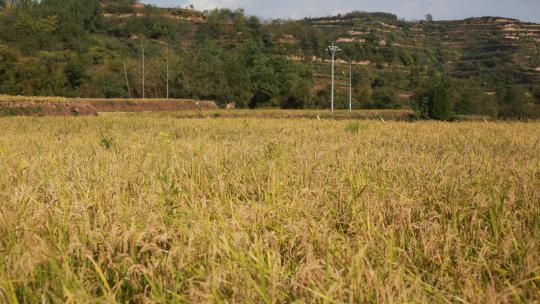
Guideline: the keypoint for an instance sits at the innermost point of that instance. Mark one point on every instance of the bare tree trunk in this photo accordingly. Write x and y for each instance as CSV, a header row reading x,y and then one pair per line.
x,y
143,75
127,80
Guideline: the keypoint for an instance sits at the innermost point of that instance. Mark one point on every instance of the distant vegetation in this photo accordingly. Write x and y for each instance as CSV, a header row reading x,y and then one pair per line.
x,y
92,48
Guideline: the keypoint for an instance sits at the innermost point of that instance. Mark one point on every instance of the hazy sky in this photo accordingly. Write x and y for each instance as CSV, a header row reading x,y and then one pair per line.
x,y
526,10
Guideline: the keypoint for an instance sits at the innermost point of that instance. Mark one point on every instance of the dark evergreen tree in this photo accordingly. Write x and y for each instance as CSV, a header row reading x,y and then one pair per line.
x,y
433,101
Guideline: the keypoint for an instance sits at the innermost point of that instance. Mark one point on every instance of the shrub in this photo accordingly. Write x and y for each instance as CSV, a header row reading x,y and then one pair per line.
x,y
107,142
513,101
472,100
384,98
536,95
353,127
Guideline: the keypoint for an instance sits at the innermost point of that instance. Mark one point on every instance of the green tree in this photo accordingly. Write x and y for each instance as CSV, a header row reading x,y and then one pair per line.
x,y
434,102
536,95
440,104
9,59
513,101
238,88
298,94
472,100
384,98
74,73
32,33
76,19
111,85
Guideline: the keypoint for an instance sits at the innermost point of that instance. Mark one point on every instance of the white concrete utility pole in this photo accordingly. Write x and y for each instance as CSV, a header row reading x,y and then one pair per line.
x,y
350,86
143,67
333,49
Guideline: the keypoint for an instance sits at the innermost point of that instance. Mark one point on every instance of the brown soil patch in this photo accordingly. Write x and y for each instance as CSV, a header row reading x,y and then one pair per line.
x,y
350,40
356,33
46,109
338,61
59,106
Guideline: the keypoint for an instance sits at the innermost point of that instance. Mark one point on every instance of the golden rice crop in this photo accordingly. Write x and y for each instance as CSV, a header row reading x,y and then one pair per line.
x,y
144,209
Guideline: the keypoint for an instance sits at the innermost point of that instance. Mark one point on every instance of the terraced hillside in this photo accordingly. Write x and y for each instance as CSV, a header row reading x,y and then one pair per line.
x,y
482,44
480,49
94,49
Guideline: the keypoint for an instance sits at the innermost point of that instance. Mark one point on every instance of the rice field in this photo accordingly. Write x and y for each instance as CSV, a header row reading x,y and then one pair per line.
x,y
143,208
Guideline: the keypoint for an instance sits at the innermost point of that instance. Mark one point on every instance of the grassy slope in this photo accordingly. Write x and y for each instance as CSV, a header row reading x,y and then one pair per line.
x,y
144,209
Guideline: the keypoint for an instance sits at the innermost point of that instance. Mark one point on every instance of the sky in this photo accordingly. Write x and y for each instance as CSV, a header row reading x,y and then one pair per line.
x,y
525,10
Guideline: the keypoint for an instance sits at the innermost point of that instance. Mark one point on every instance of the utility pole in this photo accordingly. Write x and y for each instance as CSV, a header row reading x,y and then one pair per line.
x,y
350,86
143,76
333,49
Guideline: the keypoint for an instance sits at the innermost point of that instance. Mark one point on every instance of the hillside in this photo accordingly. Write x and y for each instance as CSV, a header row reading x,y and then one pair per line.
x,y
480,50
490,64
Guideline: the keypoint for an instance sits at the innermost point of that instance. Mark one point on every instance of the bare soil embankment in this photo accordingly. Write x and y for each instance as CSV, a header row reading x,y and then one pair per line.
x,y
58,106
31,108
150,105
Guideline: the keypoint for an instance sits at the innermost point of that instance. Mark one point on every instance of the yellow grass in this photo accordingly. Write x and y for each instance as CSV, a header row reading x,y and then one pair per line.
x,y
144,209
